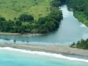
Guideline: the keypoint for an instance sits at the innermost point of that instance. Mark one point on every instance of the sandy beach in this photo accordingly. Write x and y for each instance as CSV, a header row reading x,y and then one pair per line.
x,y
59,49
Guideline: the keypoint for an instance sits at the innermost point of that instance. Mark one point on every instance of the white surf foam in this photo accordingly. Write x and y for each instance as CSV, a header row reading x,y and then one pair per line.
x,y
83,25
44,54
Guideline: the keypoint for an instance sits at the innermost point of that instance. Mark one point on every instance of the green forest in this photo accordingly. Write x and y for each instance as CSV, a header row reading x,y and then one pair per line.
x,y
26,23
80,8
83,44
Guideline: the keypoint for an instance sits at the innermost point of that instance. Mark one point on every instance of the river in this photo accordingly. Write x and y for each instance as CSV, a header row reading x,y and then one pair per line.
x,y
70,30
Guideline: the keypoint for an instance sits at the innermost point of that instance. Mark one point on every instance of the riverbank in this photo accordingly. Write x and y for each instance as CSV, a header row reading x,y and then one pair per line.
x,y
80,11
18,34
59,49
81,17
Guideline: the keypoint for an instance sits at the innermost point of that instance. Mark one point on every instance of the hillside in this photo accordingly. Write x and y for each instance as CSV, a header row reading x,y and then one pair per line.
x,y
11,9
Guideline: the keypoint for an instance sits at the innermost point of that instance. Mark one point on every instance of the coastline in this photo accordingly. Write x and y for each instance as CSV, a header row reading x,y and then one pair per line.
x,y
58,49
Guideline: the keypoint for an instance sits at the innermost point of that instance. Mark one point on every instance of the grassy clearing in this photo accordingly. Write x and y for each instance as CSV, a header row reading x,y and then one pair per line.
x,y
13,8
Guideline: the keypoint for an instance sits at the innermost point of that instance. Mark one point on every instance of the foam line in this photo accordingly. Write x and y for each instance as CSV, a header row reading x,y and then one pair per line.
x,y
44,54
83,25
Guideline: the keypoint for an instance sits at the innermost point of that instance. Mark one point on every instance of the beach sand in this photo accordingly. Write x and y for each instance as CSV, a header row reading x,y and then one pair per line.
x,y
59,49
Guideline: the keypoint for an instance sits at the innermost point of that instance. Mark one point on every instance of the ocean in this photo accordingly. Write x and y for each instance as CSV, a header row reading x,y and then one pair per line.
x,y
18,57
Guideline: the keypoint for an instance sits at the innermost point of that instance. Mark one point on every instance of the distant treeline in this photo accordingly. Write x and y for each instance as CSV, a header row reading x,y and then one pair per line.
x,y
57,3
80,5
26,24
83,44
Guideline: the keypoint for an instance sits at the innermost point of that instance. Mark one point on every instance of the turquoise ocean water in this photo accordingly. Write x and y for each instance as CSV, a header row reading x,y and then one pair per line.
x,y
16,57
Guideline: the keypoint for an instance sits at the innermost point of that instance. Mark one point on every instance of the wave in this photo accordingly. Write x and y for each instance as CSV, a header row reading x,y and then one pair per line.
x,y
43,54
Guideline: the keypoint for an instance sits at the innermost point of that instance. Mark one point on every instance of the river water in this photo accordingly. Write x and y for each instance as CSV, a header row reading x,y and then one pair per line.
x,y
71,30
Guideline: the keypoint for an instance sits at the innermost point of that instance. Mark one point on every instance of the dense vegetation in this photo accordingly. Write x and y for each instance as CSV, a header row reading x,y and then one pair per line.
x,y
83,44
80,8
62,2
26,23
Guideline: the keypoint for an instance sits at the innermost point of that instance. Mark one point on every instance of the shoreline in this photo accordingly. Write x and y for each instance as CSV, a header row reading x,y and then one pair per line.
x,y
58,49
18,34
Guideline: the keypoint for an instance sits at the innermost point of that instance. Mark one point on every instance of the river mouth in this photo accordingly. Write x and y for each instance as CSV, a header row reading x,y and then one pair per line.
x,y
70,30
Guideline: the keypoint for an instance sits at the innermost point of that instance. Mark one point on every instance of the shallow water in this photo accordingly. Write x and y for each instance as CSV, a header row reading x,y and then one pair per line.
x,y
71,30
17,57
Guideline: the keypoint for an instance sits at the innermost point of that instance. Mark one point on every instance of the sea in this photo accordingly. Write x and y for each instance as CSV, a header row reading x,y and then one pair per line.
x,y
18,57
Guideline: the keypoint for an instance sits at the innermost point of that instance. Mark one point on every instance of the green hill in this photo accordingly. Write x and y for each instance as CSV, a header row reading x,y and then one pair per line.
x,y
11,9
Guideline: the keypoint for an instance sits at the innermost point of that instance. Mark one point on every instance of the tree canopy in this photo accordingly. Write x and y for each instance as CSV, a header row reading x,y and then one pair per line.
x,y
82,44
79,5
26,18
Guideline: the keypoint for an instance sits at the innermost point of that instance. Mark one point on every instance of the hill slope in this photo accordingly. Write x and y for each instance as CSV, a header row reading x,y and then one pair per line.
x,y
14,8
